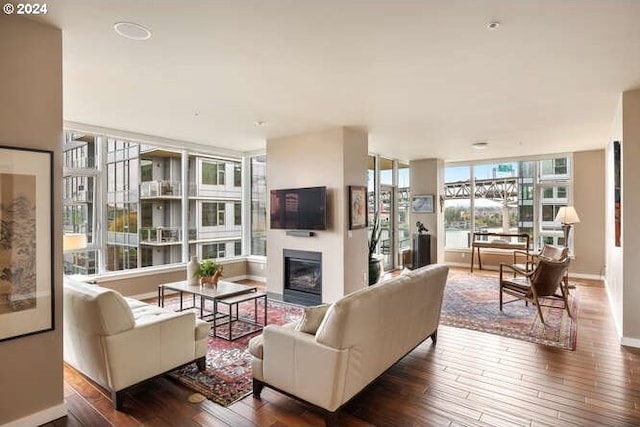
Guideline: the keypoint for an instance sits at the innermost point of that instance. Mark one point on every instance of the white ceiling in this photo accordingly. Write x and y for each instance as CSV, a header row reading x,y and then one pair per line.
x,y
425,78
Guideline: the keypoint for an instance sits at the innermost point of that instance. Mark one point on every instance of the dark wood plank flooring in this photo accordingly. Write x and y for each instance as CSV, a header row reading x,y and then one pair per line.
x,y
468,379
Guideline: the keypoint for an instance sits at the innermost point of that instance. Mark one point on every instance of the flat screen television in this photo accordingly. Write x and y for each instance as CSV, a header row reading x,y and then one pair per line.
x,y
299,208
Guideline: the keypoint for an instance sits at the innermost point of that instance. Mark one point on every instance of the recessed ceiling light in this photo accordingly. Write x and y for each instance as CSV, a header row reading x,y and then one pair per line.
x,y
493,25
132,31
480,145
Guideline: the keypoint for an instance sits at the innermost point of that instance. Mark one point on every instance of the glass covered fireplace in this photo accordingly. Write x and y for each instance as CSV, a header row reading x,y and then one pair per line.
x,y
302,277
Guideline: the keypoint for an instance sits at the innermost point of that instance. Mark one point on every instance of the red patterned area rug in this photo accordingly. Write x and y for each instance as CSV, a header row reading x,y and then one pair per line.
x,y
227,377
471,301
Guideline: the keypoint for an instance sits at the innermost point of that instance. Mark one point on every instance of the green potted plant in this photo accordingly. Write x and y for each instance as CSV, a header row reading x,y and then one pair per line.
x,y
209,271
375,267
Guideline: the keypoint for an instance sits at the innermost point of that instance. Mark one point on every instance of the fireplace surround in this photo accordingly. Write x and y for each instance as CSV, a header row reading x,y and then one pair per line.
x,y
302,277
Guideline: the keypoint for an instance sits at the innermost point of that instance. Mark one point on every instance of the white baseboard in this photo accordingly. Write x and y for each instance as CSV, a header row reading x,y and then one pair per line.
x,y
497,268
630,342
150,295
585,276
41,417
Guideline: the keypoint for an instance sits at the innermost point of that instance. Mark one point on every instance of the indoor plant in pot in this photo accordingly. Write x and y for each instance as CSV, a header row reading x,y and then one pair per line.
x,y
375,267
209,271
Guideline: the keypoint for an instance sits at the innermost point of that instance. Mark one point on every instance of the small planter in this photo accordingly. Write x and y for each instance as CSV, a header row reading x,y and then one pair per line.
x,y
375,269
209,272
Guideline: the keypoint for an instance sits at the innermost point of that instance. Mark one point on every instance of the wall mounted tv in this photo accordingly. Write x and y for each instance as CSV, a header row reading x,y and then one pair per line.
x,y
299,208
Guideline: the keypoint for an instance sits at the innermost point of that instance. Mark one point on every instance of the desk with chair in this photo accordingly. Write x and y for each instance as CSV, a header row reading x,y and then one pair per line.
x,y
481,240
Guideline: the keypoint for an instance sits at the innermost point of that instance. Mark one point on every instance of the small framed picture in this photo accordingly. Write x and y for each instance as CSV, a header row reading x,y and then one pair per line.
x,y
357,207
422,204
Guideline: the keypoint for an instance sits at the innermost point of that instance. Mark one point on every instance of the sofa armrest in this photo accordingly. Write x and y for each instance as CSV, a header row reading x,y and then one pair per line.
x,y
295,362
155,345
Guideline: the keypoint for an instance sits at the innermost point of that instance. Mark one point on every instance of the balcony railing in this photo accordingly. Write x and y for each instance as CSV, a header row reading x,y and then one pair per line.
x,y
160,235
121,238
77,196
160,188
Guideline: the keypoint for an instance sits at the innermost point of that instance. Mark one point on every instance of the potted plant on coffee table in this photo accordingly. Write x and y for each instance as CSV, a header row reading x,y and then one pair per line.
x,y
209,271
375,267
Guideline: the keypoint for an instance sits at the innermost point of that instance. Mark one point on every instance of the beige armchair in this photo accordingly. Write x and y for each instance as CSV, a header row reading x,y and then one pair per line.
x,y
119,342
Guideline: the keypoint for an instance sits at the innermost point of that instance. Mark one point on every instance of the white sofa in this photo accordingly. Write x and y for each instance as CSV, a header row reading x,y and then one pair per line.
x,y
119,342
359,338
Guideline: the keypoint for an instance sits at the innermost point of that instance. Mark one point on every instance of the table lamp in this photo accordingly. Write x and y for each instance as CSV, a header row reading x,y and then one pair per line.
x,y
567,216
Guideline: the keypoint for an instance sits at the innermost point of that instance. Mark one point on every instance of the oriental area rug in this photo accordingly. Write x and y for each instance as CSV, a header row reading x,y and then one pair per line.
x,y
227,377
471,301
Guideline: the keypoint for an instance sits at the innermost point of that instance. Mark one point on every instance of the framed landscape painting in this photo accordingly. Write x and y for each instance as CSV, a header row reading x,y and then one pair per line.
x,y
26,267
422,204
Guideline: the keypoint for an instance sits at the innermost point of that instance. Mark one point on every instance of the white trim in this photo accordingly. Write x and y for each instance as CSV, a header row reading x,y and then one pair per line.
x,y
146,271
150,295
497,268
259,259
630,342
40,417
261,279
585,276
138,272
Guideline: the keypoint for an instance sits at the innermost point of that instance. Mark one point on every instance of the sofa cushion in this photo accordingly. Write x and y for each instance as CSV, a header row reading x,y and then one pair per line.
x,y
151,313
312,318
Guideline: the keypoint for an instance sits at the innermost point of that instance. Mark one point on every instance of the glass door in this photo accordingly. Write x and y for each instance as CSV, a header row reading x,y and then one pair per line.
x,y
387,213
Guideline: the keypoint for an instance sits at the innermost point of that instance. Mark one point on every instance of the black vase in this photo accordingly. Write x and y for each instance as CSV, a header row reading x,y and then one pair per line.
x,y
374,271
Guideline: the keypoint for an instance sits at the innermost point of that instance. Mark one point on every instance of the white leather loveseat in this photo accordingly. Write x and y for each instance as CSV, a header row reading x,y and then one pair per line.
x,y
359,338
119,342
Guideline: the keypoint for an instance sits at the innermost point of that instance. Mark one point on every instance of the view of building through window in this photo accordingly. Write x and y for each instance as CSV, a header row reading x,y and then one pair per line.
x,y
259,205
506,197
143,201
131,200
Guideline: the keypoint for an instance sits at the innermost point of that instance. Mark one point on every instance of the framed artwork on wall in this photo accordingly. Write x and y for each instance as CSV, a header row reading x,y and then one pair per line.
x,y
422,204
26,242
357,207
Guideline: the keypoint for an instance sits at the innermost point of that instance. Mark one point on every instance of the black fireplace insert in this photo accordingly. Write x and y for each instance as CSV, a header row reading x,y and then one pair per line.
x,y
302,277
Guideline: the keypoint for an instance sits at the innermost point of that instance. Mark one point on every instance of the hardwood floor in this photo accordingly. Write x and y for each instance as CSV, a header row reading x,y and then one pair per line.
x,y
468,379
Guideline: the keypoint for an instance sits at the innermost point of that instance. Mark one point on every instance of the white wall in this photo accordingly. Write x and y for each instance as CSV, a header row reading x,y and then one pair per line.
x,y
335,158
622,279
631,215
613,254
427,177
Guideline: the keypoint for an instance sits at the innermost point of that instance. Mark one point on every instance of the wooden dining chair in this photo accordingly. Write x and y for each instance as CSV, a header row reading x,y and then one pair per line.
x,y
543,282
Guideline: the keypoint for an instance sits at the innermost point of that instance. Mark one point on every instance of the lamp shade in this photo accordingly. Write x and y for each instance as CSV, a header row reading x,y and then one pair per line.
x,y
567,215
74,241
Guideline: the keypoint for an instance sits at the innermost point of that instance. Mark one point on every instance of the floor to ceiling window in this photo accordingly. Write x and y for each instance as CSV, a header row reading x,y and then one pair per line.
x,y
79,194
259,205
404,206
138,192
521,196
389,199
